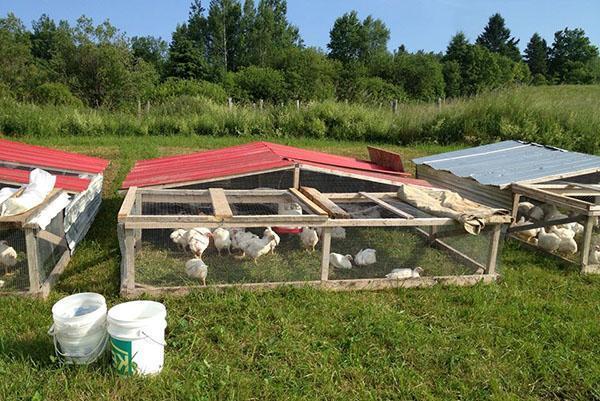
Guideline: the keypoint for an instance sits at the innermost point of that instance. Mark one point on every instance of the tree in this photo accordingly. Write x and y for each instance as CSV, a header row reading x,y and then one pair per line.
x,y
186,58
247,33
223,34
496,38
536,55
42,37
571,55
420,75
150,49
452,78
351,40
257,83
457,48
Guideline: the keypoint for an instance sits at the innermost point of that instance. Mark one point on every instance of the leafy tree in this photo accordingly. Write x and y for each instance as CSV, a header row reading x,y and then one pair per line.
x,y
375,90
536,55
496,38
186,58
351,40
55,94
570,56
247,33
42,37
420,75
223,32
452,78
150,49
255,83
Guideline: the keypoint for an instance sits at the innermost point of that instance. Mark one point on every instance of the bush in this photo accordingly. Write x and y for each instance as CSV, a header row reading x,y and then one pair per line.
x,y
175,87
255,83
55,94
375,90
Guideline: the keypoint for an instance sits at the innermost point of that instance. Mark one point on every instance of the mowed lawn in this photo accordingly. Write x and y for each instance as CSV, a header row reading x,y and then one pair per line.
x,y
535,335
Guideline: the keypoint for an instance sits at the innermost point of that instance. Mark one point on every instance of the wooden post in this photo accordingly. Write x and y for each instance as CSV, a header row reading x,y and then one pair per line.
x,y
395,106
230,103
137,209
148,107
587,242
325,250
261,103
515,206
33,261
296,177
129,261
297,104
494,244
439,103
139,108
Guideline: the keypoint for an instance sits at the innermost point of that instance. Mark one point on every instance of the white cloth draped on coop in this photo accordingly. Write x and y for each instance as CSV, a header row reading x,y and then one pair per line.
x,y
40,185
444,203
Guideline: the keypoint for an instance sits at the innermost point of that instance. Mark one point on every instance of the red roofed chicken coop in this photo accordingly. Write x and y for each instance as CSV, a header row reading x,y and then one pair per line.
x,y
36,243
203,217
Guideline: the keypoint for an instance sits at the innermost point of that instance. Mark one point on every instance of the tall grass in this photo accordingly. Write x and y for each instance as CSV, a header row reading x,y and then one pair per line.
x,y
564,116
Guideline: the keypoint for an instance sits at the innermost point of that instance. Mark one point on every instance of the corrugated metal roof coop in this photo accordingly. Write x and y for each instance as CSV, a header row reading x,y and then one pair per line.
x,y
44,252
504,173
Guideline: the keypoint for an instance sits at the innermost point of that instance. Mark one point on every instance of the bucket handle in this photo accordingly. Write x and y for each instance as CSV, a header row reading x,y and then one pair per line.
x,y
161,343
57,352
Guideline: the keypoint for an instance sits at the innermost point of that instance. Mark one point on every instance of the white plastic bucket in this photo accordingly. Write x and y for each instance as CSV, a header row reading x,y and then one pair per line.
x,y
79,328
137,337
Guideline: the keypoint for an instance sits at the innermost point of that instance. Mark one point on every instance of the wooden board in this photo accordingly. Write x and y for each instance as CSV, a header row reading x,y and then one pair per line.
x,y
387,206
127,204
311,205
219,202
385,158
325,203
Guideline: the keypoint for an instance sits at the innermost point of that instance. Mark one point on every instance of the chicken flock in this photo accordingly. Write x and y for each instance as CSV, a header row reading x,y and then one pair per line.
x,y
247,245
560,238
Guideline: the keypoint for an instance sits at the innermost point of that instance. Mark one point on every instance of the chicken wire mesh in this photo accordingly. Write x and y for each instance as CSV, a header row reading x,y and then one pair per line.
x,y
275,180
14,273
49,253
334,183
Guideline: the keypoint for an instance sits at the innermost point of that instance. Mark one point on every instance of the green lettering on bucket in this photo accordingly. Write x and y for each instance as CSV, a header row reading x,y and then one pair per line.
x,y
122,358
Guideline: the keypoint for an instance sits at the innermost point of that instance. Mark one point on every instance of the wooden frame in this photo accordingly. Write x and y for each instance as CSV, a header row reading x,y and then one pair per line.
x,y
561,194
322,211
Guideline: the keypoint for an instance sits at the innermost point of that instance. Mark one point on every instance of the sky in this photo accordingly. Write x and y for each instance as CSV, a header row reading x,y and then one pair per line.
x,y
418,24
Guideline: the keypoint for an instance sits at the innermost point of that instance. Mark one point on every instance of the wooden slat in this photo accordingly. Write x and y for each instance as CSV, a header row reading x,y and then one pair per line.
x,y
52,238
326,204
33,264
55,274
219,202
540,224
387,206
493,251
128,203
587,240
311,205
325,250
549,197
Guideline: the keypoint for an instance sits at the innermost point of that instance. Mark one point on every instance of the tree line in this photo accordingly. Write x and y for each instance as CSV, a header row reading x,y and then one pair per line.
x,y
250,51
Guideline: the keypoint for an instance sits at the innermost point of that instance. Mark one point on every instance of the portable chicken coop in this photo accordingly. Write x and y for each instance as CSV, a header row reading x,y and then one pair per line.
x,y
504,174
42,239
273,166
402,235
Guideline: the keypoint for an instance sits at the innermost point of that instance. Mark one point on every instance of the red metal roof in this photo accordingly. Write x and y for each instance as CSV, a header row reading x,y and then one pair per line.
x,y
38,156
68,183
248,158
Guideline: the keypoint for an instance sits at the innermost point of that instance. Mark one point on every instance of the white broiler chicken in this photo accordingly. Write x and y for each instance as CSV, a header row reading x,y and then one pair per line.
x,y
258,247
365,257
8,256
336,232
536,213
524,208
222,240
179,237
276,238
567,239
340,261
198,239
309,238
241,238
398,274
196,268
594,258
526,235
548,241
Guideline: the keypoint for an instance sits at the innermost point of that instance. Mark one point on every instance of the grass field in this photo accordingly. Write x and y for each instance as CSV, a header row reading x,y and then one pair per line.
x,y
533,336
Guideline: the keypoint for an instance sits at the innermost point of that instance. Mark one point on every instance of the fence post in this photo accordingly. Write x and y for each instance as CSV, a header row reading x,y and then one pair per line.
x,y
297,104
439,103
395,106
260,103
139,109
230,103
148,106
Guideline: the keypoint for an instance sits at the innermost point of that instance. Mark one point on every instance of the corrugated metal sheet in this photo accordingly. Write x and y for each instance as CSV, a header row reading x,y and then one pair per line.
x,y
68,183
243,159
503,163
38,156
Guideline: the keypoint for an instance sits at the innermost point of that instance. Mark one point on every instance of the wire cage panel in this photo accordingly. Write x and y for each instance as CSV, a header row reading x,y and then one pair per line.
x,y
334,183
283,179
14,274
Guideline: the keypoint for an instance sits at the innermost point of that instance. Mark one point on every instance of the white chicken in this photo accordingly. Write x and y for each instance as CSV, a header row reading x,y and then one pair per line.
x,y
179,237
1,283
594,258
198,239
526,235
241,238
309,238
336,232
567,241
365,257
340,261
8,257
222,240
196,268
548,241
258,247
398,274
276,238
536,213
524,208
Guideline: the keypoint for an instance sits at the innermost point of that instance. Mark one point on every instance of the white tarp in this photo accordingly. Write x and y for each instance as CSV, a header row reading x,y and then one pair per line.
x,y
51,210
41,183
6,193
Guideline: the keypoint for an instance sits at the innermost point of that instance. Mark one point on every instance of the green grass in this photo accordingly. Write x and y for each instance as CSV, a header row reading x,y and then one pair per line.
x,y
533,336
